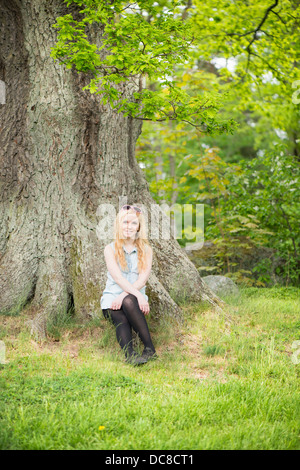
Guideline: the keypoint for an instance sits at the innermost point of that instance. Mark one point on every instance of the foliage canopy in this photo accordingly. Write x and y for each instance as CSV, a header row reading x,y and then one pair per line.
x,y
135,41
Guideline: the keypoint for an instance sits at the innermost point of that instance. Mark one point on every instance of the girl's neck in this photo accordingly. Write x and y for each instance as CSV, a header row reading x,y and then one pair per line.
x,y
129,242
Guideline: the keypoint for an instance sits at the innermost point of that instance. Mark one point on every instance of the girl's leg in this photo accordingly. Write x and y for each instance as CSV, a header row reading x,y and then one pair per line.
x,y
137,320
123,329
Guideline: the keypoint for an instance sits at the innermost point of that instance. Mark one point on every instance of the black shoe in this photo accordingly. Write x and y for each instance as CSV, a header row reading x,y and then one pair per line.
x,y
148,354
136,360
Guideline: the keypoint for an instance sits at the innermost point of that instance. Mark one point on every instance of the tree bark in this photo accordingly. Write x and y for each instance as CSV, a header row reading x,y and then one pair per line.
x,y
63,154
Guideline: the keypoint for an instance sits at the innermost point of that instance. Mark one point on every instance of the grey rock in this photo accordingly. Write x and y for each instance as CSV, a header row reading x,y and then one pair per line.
x,y
221,285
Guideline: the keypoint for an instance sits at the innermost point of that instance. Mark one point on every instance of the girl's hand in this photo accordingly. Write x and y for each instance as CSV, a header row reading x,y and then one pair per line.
x,y
117,302
143,304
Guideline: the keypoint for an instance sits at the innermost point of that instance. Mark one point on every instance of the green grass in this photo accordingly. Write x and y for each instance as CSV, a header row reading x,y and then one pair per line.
x,y
215,385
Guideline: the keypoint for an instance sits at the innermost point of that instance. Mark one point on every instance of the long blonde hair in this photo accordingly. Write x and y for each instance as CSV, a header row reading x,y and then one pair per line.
x,y
141,241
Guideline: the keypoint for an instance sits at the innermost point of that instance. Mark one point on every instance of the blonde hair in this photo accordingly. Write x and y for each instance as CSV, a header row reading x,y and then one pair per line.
x,y
141,241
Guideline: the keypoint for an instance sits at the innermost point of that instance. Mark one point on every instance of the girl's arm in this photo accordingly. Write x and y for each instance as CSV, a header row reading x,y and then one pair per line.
x,y
116,273
144,275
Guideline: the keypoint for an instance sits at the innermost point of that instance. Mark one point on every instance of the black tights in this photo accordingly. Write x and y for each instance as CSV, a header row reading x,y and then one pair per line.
x,y
129,316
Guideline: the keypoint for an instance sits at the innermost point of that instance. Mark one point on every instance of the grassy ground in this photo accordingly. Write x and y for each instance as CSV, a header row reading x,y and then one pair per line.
x,y
215,385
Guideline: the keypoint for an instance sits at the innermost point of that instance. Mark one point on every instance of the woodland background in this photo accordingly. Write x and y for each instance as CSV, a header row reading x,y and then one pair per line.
x,y
248,180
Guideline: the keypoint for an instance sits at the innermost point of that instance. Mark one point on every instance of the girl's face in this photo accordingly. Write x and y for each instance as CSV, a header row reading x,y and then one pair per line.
x,y
130,226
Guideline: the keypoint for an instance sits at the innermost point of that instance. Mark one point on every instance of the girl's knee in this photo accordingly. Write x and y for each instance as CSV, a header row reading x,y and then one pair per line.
x,y
129,300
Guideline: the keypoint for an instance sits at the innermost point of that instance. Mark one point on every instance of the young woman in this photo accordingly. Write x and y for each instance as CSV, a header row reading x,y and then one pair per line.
x,y
124,301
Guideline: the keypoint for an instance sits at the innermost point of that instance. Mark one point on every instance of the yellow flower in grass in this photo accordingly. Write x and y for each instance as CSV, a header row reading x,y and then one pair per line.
x,y
101,428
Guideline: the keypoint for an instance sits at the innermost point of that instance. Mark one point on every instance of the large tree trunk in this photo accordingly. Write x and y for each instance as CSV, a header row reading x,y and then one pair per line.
x,y
62,154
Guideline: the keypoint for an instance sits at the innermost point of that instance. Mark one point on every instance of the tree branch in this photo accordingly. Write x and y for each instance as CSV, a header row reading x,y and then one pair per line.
x,y
185,11
248,48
